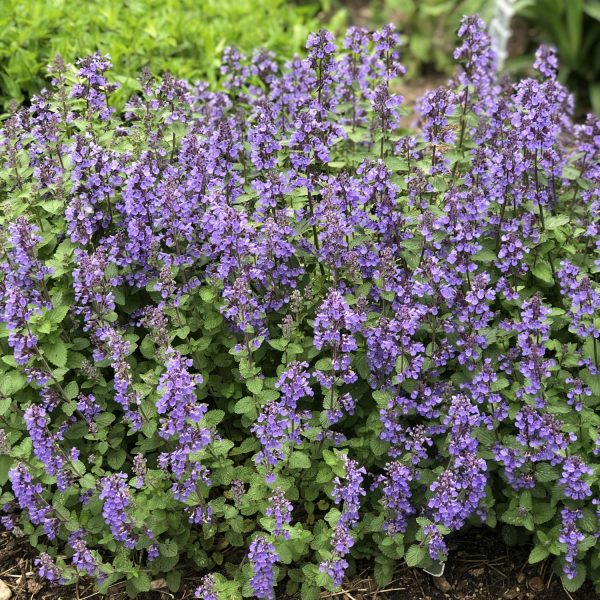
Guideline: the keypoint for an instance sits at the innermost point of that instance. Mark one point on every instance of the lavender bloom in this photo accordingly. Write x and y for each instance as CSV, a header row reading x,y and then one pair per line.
x,y
321,57
28,496
82,557
334,325
584,300
436,546
347,493
281,510
570,535
238,489
277,425
573,472
20,295
178,398
263,557
115,494
140,469
386,53
234,72
478,61
576,392
183,412
88,407
546,61
206,589
45,445
118,349
94,88
48,569
396,496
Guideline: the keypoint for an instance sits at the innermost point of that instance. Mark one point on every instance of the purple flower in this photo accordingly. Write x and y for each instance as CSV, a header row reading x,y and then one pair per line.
x,y
45,445
82,557
348,493
573,472
115,493
29,497
570,535
206,589
178,396
48,569
280,509
262,557
397,495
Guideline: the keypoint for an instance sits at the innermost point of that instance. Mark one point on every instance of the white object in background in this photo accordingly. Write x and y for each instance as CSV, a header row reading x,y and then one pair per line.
x,y
500,28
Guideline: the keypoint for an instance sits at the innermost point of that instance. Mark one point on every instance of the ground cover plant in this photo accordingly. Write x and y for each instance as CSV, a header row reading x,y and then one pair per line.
x,y
269,333
183,37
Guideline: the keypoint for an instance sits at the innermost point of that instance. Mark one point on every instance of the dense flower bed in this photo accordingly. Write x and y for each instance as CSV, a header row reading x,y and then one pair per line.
x,y
268,333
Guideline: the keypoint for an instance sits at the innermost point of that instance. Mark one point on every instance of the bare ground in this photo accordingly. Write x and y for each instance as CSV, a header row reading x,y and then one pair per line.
x,y
480,567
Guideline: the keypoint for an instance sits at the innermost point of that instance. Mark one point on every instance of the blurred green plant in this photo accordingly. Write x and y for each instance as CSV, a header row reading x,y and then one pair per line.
x,y
429,26
185,37
573,27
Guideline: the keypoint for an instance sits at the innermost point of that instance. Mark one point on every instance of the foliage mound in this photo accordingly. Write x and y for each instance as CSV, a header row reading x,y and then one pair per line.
x,y
269,333
183,37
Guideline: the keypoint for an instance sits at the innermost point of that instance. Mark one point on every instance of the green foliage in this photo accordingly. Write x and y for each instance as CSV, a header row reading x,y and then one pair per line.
x,y
573,27
183,37
429,28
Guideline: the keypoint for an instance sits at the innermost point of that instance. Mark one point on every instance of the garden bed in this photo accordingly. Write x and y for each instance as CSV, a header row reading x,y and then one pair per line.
x,y
480,568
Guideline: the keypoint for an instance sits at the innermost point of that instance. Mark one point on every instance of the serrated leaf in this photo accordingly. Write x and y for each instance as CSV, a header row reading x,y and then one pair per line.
x,y
71,390
11,382
542,271
299,460
415,555
537,554
255,385
245,406
56,352
4,405
116,458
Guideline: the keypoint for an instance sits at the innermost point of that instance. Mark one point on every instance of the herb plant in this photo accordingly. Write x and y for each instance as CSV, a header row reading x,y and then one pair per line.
x,y
268,333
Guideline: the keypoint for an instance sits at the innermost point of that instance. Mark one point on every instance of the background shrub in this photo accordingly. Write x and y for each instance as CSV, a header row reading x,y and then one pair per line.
x,y
183,37
267,333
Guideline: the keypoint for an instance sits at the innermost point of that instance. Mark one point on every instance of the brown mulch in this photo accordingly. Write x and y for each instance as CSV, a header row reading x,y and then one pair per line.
x,y
480,567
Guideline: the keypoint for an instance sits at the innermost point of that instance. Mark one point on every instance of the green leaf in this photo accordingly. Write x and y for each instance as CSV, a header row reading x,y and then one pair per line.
x,y
384,572
116,458
415,555
147,348
543,512
4,405
140,582
5,465
169,548
572,585
299,460
173,578
11,382
71,390
556,221
537,554
542,271
255,385
56,353
245,406
545,472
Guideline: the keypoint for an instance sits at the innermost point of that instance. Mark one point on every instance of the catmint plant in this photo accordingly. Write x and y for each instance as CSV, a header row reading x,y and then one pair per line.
x,y
271,330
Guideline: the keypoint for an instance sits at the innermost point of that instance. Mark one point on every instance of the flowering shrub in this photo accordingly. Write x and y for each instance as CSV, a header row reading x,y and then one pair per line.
x,y
266,333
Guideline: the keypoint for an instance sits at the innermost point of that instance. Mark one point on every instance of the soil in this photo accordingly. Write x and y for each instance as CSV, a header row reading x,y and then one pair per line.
x,y
479,568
